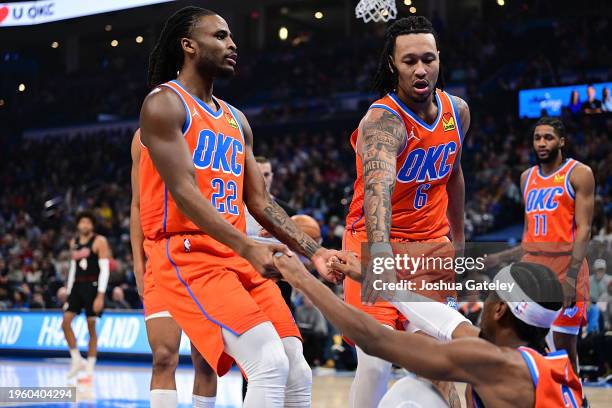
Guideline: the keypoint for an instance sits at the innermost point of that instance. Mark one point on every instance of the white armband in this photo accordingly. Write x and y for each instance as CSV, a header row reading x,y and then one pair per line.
x,y
435,319
104,274
71,275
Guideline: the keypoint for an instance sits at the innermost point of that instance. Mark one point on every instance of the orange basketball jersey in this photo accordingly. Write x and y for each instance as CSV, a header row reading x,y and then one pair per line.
x,y
217,146
549,208
554,380
423,166
556,384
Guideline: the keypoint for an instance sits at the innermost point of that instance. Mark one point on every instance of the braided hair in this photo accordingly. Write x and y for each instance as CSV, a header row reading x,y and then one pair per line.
x,y
385,80
167,57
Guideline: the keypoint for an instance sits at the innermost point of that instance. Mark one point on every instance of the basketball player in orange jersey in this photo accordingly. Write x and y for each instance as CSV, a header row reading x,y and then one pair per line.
x,y
163,334
196,166
504,361
409,185
559,199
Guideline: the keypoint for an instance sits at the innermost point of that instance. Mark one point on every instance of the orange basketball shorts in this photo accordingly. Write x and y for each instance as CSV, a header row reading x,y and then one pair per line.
x,y
206,288
570,319
383,311
154,306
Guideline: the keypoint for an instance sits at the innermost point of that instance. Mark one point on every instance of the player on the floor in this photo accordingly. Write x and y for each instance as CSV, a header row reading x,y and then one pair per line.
x,y
197,165
409,185
505,366
163,334
559,196
86,286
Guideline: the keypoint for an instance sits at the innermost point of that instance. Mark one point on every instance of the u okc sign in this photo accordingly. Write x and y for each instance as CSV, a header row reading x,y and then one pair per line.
x,y
46,11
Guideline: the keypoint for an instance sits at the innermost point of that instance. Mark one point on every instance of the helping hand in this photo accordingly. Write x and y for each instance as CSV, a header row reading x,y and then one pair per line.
x,y
346,263
321,260
261,257
290,267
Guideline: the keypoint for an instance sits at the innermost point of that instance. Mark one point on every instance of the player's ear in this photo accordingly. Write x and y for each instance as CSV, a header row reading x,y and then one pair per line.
x,y
500,309
562,142
188,45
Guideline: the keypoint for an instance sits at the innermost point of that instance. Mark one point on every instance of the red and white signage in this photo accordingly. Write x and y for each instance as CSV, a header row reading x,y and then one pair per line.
x,y
45,11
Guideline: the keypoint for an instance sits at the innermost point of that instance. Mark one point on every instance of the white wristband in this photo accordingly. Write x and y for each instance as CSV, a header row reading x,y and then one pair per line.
x,y
104,274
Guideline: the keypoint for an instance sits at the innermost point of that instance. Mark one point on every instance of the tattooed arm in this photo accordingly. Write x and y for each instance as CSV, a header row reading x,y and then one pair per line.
x,y
381,135
272,217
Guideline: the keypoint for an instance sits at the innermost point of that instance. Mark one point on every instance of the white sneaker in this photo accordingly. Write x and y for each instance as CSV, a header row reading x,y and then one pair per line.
x,y
75,368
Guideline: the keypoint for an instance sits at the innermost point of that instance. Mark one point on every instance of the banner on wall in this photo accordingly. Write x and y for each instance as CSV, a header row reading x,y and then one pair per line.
x,y
584,98
118,332
46,11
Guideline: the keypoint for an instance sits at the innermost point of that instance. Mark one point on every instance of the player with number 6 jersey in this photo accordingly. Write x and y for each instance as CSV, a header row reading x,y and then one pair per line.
x,y
409,186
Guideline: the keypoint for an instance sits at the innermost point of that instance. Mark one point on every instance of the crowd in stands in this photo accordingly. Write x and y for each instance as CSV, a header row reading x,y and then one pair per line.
x,y
47,181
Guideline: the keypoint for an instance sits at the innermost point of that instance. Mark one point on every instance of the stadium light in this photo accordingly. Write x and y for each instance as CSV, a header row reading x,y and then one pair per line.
x,y
108,27
501,2
139,39
21,87
114,43
318,15
54,44
283,33
412,9
407,2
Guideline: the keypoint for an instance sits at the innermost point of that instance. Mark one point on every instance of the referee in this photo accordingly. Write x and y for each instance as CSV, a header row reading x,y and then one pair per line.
x,y
86,286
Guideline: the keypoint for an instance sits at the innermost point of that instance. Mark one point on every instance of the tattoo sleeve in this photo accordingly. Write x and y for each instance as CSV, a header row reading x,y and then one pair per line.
x,y
382,134
278,223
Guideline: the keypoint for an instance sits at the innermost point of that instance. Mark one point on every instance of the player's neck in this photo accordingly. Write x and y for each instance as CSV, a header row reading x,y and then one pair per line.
x,y
197,85
549,168
507,338
426,110
85,237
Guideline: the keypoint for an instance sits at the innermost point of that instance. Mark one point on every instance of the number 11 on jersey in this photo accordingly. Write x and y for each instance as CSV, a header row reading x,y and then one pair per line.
x,y
540,225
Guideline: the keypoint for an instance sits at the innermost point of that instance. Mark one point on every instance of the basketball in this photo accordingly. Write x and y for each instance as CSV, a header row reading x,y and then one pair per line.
x,y
309,225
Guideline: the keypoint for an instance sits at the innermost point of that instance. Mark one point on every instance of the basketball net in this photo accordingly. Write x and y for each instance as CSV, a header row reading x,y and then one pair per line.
x,y
376,10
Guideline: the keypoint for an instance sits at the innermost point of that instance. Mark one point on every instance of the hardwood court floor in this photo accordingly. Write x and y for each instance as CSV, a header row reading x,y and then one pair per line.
x,y
126,384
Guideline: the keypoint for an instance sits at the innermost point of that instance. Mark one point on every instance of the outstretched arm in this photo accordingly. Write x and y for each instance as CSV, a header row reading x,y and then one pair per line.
x,y
433,318
272,217
470,360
